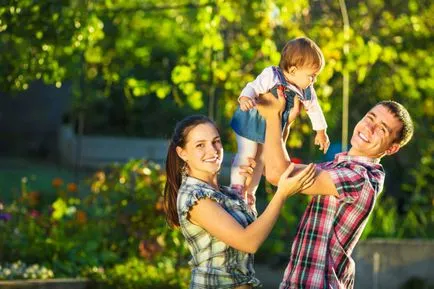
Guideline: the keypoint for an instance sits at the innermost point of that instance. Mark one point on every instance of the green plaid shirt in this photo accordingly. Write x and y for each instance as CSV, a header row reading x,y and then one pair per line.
x,y
214,263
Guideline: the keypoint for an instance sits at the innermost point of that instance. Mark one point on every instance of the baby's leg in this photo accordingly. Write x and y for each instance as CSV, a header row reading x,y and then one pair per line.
x,y
246,149
256,178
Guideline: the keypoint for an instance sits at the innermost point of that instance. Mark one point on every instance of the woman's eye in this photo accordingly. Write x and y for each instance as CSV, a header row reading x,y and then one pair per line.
x,y
201,145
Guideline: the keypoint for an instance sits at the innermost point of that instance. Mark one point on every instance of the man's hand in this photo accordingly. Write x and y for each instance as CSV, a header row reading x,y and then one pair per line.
x,y
268,105
322,140
246,103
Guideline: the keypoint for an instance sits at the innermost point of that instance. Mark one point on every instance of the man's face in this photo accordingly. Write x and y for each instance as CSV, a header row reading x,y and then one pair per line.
x,y
375,134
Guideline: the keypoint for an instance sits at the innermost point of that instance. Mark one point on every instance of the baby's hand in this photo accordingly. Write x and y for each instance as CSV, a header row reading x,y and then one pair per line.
x,y
322,139
246,103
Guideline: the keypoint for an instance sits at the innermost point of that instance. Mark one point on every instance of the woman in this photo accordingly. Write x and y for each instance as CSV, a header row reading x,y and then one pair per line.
x,y
222,232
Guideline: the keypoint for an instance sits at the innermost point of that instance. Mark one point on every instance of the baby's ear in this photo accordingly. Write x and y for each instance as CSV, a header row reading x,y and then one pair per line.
x,y
292,69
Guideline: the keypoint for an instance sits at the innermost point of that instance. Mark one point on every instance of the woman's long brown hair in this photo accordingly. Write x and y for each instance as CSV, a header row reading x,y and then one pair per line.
x,y
174,165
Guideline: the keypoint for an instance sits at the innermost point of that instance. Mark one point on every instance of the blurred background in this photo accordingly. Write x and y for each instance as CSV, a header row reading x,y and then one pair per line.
x,y
90,92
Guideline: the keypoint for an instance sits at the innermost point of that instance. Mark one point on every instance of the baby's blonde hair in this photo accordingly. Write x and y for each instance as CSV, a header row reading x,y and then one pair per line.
x,y
301,52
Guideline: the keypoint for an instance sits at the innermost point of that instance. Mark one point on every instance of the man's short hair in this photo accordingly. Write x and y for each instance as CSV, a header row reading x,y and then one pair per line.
x,y
401,113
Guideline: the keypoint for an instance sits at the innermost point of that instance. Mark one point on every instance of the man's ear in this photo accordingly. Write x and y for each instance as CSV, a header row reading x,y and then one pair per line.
x,y
181,153
394,148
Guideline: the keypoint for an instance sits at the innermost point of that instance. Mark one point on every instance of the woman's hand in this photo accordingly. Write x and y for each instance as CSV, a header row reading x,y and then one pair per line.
x,y
288,186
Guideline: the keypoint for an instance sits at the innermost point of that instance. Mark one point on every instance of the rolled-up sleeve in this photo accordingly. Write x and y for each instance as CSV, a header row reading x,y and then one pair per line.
x,y
348,182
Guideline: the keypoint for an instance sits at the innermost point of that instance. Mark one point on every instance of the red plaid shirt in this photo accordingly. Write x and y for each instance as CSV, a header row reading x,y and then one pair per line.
x,y
331,226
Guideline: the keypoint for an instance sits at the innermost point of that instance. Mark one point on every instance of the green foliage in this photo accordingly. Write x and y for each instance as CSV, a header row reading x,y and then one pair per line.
x,y
416,218
419,221
133,63
200,54
20,270
417,283
129,199
384,221
137,274
280,240
120,222
57,236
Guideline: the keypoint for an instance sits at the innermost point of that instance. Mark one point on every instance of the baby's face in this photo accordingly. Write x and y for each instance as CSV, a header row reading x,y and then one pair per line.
x,y
302,77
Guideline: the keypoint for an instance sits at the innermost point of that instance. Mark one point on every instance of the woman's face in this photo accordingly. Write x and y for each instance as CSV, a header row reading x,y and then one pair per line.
x,y
203,152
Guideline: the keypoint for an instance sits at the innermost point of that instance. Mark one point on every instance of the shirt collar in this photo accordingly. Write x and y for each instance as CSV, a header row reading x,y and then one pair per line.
x,y
223,189
288,85
193,181
295,89
361,159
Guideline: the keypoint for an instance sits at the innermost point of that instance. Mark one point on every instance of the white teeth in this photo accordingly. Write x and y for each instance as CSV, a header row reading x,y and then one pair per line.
x,y
363,137
211,160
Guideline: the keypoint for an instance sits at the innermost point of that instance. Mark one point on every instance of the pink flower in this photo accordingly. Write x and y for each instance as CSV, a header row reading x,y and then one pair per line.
x,y
34,214
296,160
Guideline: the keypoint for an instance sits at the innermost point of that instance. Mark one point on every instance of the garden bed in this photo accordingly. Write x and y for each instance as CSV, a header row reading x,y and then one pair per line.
x,y
49,284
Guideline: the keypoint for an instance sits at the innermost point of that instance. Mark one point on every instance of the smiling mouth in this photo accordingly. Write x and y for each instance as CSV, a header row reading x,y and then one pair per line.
x,y
363,137
212,160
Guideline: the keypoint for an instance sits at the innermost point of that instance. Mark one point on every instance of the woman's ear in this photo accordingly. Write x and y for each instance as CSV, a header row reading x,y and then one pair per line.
x,y
181,153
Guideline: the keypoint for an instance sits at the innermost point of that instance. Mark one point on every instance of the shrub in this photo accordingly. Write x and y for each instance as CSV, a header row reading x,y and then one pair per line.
x,y
20,270
119,221
138,274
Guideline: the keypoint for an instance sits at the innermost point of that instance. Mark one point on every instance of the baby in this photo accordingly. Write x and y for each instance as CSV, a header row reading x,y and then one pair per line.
x,y
300,63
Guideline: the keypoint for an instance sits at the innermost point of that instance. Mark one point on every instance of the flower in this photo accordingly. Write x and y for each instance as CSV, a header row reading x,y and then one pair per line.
x,y
296,160
33,198
72,187
148,249
159,205
81,217
34,214
57,182
5,217
60,209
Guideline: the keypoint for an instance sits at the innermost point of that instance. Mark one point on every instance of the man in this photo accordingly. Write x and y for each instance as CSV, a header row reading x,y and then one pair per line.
x,y
345,193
